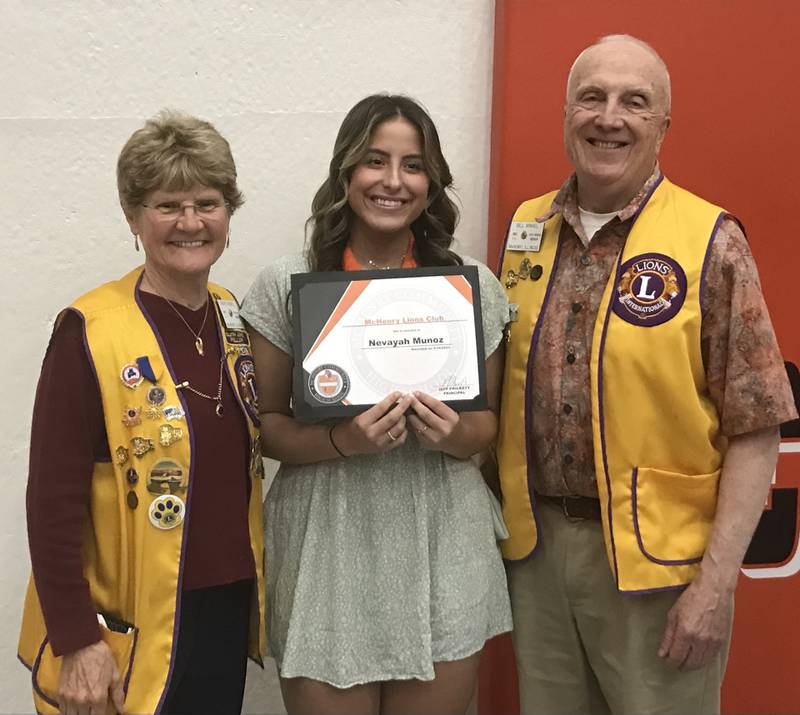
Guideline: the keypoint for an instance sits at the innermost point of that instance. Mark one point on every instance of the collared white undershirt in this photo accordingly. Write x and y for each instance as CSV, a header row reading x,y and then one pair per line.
x,y
593,222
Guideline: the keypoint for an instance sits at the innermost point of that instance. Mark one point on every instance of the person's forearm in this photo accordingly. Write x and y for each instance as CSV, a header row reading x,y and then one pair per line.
x,y
286,440
475,433
744,484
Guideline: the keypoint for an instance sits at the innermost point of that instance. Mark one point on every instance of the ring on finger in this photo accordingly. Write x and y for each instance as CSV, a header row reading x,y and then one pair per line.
x,y
391,436
422,429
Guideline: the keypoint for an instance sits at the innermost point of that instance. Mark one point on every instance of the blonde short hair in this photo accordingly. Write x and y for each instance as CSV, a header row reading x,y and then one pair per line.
x,y
174,151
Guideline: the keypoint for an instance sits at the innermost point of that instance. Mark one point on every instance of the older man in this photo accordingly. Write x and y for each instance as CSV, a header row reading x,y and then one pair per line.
x,y
642,398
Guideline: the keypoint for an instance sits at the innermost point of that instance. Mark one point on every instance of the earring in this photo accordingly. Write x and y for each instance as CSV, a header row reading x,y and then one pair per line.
x,y
228,240
136,240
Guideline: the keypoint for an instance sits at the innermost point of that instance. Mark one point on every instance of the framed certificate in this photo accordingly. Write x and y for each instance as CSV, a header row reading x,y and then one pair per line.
x,y
359,336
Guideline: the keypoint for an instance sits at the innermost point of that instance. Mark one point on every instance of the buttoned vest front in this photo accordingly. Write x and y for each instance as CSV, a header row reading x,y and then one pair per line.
x,y
658,448
133,567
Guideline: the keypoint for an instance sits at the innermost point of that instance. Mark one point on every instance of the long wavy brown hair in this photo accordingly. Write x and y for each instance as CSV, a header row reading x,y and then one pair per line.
x,y
331,217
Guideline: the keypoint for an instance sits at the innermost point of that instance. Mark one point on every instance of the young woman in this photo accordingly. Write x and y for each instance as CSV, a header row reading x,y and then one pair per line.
x,y
384,578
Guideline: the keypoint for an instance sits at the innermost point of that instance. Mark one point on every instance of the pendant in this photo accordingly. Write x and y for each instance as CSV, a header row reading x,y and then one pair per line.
x,y
198,344
218,409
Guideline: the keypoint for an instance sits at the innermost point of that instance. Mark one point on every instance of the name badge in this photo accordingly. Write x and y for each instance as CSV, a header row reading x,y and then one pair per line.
x,y
230,314
525,236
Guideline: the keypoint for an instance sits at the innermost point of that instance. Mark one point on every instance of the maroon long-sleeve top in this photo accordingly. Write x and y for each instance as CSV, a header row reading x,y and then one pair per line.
x,y
68,436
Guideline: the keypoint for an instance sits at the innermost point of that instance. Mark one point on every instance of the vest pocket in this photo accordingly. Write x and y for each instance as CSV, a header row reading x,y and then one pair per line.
x,y
673,514
47,667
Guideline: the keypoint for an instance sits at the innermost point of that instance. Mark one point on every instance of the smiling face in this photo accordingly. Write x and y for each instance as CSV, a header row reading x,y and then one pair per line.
x,y
388,189
616,116
186,244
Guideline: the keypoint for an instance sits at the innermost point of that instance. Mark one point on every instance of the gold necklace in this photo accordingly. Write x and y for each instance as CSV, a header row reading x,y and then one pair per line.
x,y
386,268
198,341
215,398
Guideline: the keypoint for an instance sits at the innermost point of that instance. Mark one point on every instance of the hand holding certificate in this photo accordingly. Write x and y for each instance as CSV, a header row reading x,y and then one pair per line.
x,y
359,337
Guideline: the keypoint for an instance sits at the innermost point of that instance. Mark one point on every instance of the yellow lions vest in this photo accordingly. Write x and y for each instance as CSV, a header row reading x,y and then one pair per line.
x,y
658,449
133,538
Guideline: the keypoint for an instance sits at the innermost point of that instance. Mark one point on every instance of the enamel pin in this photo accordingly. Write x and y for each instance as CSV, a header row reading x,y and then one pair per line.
x,y
132,416
523,273
121,453
168,435
141,445
173,413
166,477
167,511
131,376
156,396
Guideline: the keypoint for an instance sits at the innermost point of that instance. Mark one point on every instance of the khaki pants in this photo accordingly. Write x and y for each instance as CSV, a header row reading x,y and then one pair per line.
x,y
583,647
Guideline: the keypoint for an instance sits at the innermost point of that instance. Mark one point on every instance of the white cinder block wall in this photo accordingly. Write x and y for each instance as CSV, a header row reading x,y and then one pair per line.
x,y
276,77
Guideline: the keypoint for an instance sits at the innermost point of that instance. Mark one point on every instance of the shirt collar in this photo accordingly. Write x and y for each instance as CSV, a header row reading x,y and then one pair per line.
x,y
566,203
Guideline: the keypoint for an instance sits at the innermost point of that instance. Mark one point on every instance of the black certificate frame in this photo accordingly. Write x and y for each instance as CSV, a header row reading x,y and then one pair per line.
x,y
314,298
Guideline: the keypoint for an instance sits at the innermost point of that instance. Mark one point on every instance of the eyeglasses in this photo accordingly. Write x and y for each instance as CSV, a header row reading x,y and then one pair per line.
x,y
208,209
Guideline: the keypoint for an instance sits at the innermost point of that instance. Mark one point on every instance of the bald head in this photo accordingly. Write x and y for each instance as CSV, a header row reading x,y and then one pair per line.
x,y
630,46
615,119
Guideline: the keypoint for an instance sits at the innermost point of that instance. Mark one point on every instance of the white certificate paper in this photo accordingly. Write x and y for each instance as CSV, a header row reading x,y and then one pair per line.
x,y
375,332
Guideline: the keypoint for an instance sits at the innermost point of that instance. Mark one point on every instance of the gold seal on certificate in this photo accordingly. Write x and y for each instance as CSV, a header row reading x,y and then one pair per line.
x,y
359,336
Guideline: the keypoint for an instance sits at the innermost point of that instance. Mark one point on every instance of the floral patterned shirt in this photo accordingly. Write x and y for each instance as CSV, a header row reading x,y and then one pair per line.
x,y
746,378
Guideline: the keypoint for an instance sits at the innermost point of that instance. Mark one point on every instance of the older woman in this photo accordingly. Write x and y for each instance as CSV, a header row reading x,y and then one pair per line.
x,y
384,577
144,493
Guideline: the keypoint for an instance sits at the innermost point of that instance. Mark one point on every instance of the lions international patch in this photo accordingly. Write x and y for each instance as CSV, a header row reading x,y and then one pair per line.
x,y
650,289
